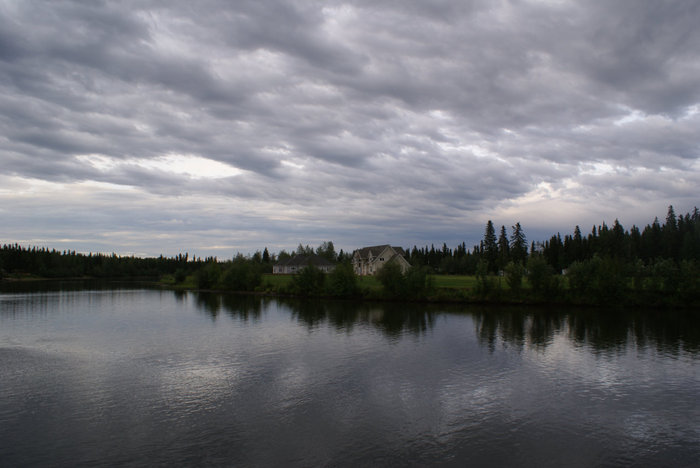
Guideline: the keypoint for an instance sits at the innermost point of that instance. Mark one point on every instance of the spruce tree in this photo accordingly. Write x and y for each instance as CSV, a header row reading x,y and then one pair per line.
x,y
491,247
503,249
670,236
518,245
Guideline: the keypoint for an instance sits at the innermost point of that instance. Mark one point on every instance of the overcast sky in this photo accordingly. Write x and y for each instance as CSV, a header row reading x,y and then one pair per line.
x,y
216,126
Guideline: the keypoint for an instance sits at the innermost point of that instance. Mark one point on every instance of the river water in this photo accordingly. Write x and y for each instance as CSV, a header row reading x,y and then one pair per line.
x,y
127,376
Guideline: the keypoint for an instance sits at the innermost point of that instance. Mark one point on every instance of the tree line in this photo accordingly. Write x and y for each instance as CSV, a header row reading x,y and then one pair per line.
x,y
39,261
17,260
677,239
661,260
657,265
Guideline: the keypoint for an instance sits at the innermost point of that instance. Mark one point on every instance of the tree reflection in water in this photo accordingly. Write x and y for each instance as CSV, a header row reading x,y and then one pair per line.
x,y
603,330
393,319
238,306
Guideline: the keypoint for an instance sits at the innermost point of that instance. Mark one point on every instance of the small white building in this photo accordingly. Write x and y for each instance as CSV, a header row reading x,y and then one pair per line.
x,y
369,260
297,263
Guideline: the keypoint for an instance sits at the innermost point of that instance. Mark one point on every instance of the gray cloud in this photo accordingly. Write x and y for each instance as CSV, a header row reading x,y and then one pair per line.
x,y
356,121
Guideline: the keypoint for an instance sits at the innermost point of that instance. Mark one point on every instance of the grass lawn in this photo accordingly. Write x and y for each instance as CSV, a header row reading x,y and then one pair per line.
x,y
454,281
369,282
276,281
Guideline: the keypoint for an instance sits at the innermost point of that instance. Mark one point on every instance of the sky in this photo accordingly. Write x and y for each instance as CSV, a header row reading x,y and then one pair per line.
x,y
216,127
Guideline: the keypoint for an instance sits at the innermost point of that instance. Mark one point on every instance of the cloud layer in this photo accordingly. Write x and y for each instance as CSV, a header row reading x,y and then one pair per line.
x,y
158,127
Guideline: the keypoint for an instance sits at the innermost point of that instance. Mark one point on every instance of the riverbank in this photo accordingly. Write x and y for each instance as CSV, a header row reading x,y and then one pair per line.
x,y
466,289
443,289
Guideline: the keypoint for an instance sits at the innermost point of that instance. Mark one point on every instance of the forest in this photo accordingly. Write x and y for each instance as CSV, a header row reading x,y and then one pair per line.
x,y
656,264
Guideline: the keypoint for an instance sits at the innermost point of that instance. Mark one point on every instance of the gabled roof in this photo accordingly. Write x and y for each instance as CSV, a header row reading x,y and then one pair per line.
x,y
304,260
376,250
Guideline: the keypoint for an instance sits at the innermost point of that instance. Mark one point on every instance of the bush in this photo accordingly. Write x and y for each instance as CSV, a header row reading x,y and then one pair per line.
x,y
579,277
665,276
392,279
242,275
637,272
418,283
180,275
208,275
689,284
342,281
538,273
514,276
485,284
309,281
597,280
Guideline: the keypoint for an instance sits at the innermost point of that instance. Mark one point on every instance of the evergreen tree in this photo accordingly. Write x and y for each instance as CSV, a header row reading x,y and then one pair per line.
x,y
577,245
283,255
343,257
518,245
670,235
503,249
635,242
619,242
327,251
651,241
490,247
301,250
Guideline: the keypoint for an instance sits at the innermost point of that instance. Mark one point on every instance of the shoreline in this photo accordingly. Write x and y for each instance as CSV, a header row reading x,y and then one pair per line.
x,y
647,301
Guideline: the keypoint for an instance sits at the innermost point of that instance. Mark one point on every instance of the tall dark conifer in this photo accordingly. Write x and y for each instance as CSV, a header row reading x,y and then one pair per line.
x,y
670,237
491,246
518,245
503,249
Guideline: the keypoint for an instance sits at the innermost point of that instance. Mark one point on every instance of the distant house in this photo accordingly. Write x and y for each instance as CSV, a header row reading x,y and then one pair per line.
x,y
369,260
297,263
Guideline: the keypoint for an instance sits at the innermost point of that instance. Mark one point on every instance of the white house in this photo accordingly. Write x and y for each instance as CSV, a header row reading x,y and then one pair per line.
x,y
298,262
369,260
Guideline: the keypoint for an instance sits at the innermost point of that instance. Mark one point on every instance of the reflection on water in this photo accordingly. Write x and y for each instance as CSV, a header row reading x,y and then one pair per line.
x,y
139,377
600,329
394,319
44,286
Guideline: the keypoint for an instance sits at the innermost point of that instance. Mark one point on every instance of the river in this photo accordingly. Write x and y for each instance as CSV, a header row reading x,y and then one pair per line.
x,y
130,376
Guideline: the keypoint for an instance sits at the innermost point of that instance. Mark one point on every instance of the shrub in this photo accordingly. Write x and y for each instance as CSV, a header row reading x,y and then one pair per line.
x,y
180,275
579,277
689,284
611,281
665,276
392,279
597,280
484,283
539,273
342,281
514,276
418,283
208,275
242,275
309,281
